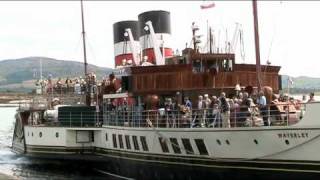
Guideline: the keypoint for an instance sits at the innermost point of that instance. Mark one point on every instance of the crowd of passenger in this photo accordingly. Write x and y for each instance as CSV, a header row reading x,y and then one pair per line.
x,y
244,109
68,85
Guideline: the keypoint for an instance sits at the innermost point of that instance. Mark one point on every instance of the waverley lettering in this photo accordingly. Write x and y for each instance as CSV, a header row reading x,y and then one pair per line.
x,y
293,135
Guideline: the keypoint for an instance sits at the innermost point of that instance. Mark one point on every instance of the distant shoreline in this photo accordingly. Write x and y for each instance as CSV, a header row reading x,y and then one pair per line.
x,y
14,98
5,176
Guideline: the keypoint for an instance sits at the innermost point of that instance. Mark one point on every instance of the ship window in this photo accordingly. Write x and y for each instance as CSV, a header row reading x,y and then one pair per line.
x,y
114,138
218,141
227,141
144,143
201,146
32,134
187,146
227,65
175,145
120,141
106,136
57,134
163,145
197,66
127,137
230,65
287,141
135,142
40,134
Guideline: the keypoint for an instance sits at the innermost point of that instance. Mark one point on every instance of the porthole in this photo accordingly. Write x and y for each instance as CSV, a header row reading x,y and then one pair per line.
x,y
227,141
287,141
255,141
32,134
40,134
57,134
218,141
106,136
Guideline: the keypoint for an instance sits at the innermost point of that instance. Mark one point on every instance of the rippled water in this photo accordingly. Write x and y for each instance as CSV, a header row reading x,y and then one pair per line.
x,y
24,168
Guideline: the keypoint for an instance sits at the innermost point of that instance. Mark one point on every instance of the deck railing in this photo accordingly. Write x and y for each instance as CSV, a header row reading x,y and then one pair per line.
x,y
238,117
279,115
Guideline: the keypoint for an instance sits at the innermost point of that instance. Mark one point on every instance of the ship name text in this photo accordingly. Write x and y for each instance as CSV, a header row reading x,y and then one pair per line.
x,y
293,135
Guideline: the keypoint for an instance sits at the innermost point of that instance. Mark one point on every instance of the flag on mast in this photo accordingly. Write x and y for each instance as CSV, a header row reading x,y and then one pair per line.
x,y
207,6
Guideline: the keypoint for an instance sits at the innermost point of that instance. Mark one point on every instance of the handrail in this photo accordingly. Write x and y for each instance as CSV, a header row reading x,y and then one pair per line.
x,y
240,116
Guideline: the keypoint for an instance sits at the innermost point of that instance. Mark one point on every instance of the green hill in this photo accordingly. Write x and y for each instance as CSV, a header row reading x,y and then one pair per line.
x,y
19,75
15,71
302,82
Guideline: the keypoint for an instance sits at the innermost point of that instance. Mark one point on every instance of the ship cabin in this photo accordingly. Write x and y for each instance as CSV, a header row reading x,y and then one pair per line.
x,y
147,91
196,73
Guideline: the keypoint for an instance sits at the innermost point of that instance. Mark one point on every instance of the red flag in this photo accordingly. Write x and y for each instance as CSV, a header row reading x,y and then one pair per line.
x,y
207,6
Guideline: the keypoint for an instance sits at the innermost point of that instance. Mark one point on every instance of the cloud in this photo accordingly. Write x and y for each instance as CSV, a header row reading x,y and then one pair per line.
x,y
288,32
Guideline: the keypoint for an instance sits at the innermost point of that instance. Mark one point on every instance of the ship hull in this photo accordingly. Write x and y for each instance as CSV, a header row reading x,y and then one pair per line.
x,y
124,165
177,170
286,152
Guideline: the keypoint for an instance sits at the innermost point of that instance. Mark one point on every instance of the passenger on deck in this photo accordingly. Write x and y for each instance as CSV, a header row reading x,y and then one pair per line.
x,y
311,98
207,104
262,105
215,120
244,109
232,112
170,108
77,88
225,110
186,113
200,114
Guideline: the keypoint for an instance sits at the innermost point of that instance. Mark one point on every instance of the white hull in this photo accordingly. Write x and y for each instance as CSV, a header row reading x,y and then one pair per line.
x,y
276,148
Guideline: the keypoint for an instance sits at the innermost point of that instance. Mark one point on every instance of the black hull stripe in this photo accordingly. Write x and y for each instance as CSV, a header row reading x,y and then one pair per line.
x,y
216,166
278,165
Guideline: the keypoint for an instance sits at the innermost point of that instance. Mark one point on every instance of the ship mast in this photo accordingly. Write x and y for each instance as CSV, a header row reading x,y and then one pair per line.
x,y
84,42
88,88
256,37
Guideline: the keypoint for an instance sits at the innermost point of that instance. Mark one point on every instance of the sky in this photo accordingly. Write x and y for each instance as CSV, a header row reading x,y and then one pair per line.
x,y
289,30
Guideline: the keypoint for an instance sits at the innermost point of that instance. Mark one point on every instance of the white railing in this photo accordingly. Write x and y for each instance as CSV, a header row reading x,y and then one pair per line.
x,y
239,117
196,118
